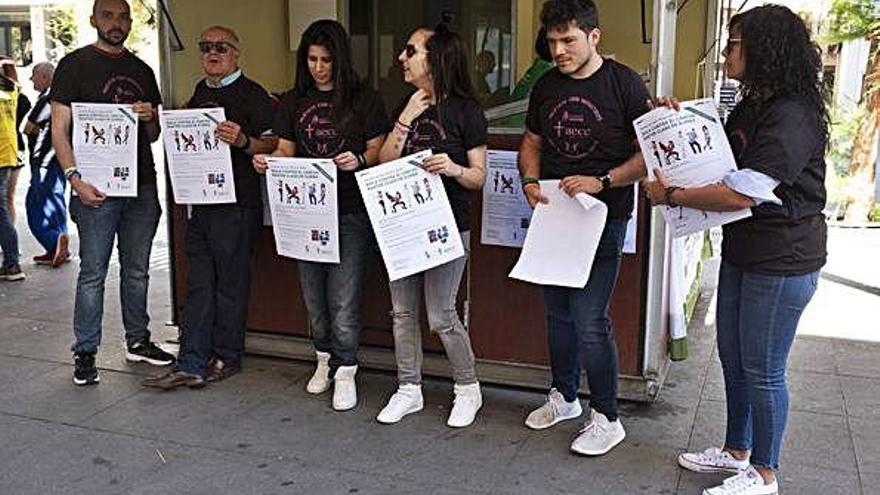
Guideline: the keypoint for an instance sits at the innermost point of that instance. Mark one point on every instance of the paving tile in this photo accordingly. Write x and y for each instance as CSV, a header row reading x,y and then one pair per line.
x,y
870,483
866,438
814,354
53,396
857,358
862,396
628,469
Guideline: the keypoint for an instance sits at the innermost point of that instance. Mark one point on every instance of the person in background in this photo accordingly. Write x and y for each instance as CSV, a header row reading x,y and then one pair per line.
x,y
22,108
45,202
442,115
770,261
10,91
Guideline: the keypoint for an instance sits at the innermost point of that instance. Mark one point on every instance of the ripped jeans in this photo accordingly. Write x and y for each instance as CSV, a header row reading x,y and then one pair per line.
x,y
440,286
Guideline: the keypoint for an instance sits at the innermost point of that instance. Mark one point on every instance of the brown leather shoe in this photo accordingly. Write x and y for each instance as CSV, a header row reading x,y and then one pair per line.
x,y
174,379
219,371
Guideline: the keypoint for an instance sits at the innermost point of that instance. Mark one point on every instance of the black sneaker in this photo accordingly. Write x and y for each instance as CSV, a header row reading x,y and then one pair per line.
x,y
148,352
85,372
12,273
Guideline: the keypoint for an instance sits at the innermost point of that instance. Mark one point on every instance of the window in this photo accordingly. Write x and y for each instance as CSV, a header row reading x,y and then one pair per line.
x,y
379,28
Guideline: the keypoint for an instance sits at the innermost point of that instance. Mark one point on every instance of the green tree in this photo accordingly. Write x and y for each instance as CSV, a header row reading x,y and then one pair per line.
x,y
851,20
60,31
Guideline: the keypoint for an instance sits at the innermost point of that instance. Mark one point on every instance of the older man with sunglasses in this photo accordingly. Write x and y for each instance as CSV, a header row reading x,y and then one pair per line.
x,y
220,238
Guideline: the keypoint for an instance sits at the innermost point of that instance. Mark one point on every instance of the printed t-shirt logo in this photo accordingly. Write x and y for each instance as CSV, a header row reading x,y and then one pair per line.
x,y
122,89
426,133
318,134
571,122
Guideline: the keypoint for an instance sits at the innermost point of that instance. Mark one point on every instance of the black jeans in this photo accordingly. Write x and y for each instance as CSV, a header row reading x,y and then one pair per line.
x,y
219,244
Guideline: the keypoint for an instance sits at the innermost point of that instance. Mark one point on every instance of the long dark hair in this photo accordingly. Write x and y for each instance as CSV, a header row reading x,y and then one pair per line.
x,y
346,83
781,59
447,59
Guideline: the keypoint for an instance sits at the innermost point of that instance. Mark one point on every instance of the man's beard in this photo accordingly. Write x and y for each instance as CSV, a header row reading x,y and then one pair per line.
x,y
105,37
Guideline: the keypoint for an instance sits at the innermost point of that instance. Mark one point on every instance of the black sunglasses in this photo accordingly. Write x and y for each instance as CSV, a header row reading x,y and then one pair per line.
x,y
410,50
220,47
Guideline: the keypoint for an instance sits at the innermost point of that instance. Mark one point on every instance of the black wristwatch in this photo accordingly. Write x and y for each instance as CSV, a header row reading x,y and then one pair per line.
x,y
606,181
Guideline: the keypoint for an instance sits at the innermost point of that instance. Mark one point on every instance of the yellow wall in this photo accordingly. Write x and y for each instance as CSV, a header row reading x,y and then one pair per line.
x,y
621,36
266,57
263,33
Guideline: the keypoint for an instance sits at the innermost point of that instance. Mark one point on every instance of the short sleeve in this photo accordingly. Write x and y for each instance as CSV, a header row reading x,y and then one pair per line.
x,y
475,126
783,142
376,123
533,115
636,98
64,82
153,94
283,125
262,112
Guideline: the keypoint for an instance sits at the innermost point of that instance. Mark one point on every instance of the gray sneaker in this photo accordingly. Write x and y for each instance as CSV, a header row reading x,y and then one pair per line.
x,y
12,273
553,411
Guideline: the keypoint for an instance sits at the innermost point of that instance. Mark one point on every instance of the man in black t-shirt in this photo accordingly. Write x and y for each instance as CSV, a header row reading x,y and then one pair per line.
x,y
220,238
105,72
579,131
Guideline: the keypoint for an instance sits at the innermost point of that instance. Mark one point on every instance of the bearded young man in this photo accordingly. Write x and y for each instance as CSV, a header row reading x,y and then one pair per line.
x,y
579,130
105,72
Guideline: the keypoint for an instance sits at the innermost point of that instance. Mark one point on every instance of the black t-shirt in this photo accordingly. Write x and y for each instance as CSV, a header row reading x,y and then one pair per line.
x,y
249,105
308,121
782,138
40,144
90,75
459,127
587,126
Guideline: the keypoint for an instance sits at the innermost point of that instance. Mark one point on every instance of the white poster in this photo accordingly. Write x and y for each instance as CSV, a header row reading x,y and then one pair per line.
x,y
304,207
105,147
632,226
411,216
691,149
562,239
506,212
200,164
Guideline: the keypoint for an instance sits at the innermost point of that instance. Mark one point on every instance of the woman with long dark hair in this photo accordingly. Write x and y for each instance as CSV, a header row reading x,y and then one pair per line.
x,y
442,115
770,261
329,113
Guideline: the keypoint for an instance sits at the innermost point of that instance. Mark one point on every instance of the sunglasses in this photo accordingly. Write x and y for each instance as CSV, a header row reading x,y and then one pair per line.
x,y
731,42
410,50
220,47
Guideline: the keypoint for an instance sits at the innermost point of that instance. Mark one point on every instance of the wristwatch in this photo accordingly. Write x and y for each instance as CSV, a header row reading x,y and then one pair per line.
x,y
606,181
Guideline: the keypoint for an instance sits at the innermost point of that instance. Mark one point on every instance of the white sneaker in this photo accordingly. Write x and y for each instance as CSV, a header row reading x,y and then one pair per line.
x,y
320,381
344,388
712,460
468,400
407,400
598,436
747,482
553,411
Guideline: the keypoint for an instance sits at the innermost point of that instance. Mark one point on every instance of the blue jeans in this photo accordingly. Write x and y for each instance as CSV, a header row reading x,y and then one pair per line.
x,y
8,235
219,244
133,222
46,209
332,293
440,286
579,329
757,317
